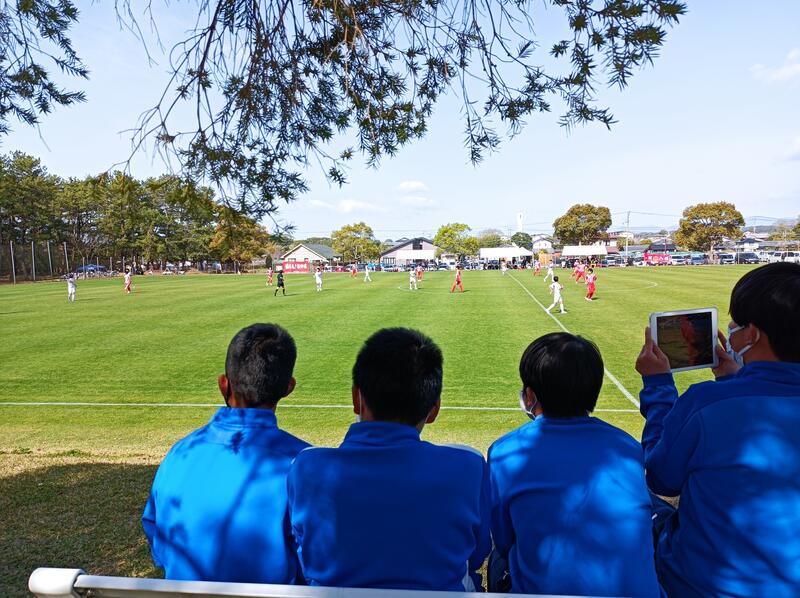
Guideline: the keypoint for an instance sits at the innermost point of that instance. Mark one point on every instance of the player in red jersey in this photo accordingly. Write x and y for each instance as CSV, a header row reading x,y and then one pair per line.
x,y
419,273
591,278
537,267
581,272
457,283
353,271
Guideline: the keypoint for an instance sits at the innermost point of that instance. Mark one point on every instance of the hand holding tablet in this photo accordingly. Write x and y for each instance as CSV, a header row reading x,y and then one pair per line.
x,y
687,337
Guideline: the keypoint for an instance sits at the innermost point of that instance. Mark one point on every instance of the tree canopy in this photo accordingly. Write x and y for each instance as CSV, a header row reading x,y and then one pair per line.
x,y
114,215
356,243
522,239
705,224
271,86
582,224
453,238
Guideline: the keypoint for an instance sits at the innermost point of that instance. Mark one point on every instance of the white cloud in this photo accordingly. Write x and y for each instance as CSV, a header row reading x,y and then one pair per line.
x,y
346,206
794,152
419,201
410,186
790,69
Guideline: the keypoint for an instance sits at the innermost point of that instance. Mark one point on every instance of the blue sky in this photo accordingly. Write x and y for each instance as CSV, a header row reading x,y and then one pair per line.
x,y
715,119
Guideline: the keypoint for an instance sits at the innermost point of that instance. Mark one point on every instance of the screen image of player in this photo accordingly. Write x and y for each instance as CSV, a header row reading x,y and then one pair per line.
x,y
687,339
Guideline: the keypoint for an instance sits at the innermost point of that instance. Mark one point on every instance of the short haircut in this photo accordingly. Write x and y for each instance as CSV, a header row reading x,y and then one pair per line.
x,y
259,364
566,373
591,269
399,374
555,278
769,298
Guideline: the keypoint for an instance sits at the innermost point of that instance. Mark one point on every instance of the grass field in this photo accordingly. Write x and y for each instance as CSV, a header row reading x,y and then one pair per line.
x,y
95,392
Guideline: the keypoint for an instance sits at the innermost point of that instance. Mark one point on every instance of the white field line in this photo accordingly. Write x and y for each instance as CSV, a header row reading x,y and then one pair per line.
x,y
610,376
292,406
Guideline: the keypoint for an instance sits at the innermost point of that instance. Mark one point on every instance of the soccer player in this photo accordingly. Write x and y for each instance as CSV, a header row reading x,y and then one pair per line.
x,y
71,287
269,277
503,267
386,509
366,273
218,507
412,280
353,271
281,285
127,282
571,513
591,279
457,283
537,268
419,273
318,279
549,273
581,272
555,291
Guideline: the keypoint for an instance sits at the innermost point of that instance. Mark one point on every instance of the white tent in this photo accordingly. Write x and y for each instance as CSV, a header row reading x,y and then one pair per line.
x,y
583,250
503,253
410,255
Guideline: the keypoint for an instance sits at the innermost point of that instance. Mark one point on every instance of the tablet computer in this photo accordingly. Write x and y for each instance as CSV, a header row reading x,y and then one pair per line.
x,y
687,337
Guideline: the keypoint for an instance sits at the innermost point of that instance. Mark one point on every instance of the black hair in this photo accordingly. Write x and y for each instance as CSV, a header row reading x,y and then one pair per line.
x,y
769,298
399,374
566,373
259,364
591,269
555,278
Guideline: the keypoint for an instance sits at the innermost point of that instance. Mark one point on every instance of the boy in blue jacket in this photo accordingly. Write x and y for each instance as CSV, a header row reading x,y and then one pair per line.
x,y
386,509
571,513
731,449
217,509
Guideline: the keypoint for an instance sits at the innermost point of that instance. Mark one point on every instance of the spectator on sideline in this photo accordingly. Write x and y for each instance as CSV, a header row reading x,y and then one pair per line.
x,y
731,449
386,509
217,509
571,513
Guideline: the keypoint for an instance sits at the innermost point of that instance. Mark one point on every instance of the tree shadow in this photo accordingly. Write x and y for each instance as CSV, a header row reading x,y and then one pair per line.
x,y
82,515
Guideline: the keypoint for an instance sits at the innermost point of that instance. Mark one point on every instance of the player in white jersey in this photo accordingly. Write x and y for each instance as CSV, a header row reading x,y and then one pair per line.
x,y
318,279
503,267
412,280
71,288
128,282
555,290
549,273
366,273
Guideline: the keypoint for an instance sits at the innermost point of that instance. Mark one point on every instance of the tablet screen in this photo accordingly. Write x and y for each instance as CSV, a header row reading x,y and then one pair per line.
x,y
687,339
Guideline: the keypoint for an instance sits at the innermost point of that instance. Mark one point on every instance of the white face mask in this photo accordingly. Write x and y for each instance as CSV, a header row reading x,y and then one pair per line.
x,y
524,407
737,356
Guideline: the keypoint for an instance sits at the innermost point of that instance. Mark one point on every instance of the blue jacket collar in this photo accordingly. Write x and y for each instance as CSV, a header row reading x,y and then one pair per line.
x,y
380,434
244,418
776,371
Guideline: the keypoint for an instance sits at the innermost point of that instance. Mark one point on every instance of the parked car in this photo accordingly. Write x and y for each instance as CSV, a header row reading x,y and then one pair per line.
x,y
727,258
698,259
786,256
443,266
747,257
763,256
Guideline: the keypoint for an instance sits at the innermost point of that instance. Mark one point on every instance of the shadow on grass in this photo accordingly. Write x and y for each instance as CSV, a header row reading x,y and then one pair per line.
x,y
78,515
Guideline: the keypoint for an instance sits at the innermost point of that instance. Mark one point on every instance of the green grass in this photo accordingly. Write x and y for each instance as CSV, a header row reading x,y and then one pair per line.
x,y
73,478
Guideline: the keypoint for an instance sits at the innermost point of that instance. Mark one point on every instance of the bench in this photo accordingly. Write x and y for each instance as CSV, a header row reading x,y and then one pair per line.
x,y
48,582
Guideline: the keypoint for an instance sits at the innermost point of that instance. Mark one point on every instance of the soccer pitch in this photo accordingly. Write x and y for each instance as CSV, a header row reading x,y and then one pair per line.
x,y
95,392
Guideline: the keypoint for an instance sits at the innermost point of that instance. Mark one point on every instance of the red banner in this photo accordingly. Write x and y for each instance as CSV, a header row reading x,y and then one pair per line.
x,y
658,258
294,267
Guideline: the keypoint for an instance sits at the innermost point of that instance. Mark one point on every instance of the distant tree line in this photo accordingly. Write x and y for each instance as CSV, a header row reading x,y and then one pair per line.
x,y
149,222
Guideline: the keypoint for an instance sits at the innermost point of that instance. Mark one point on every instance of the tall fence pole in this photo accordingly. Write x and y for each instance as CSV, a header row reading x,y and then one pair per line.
x,y
33,261
83,261
49,259
66,258
13,264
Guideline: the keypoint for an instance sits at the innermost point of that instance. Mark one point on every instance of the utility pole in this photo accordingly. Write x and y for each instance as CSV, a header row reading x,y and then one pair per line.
x,y
49,259
627,232
33,261
13,265
66,258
